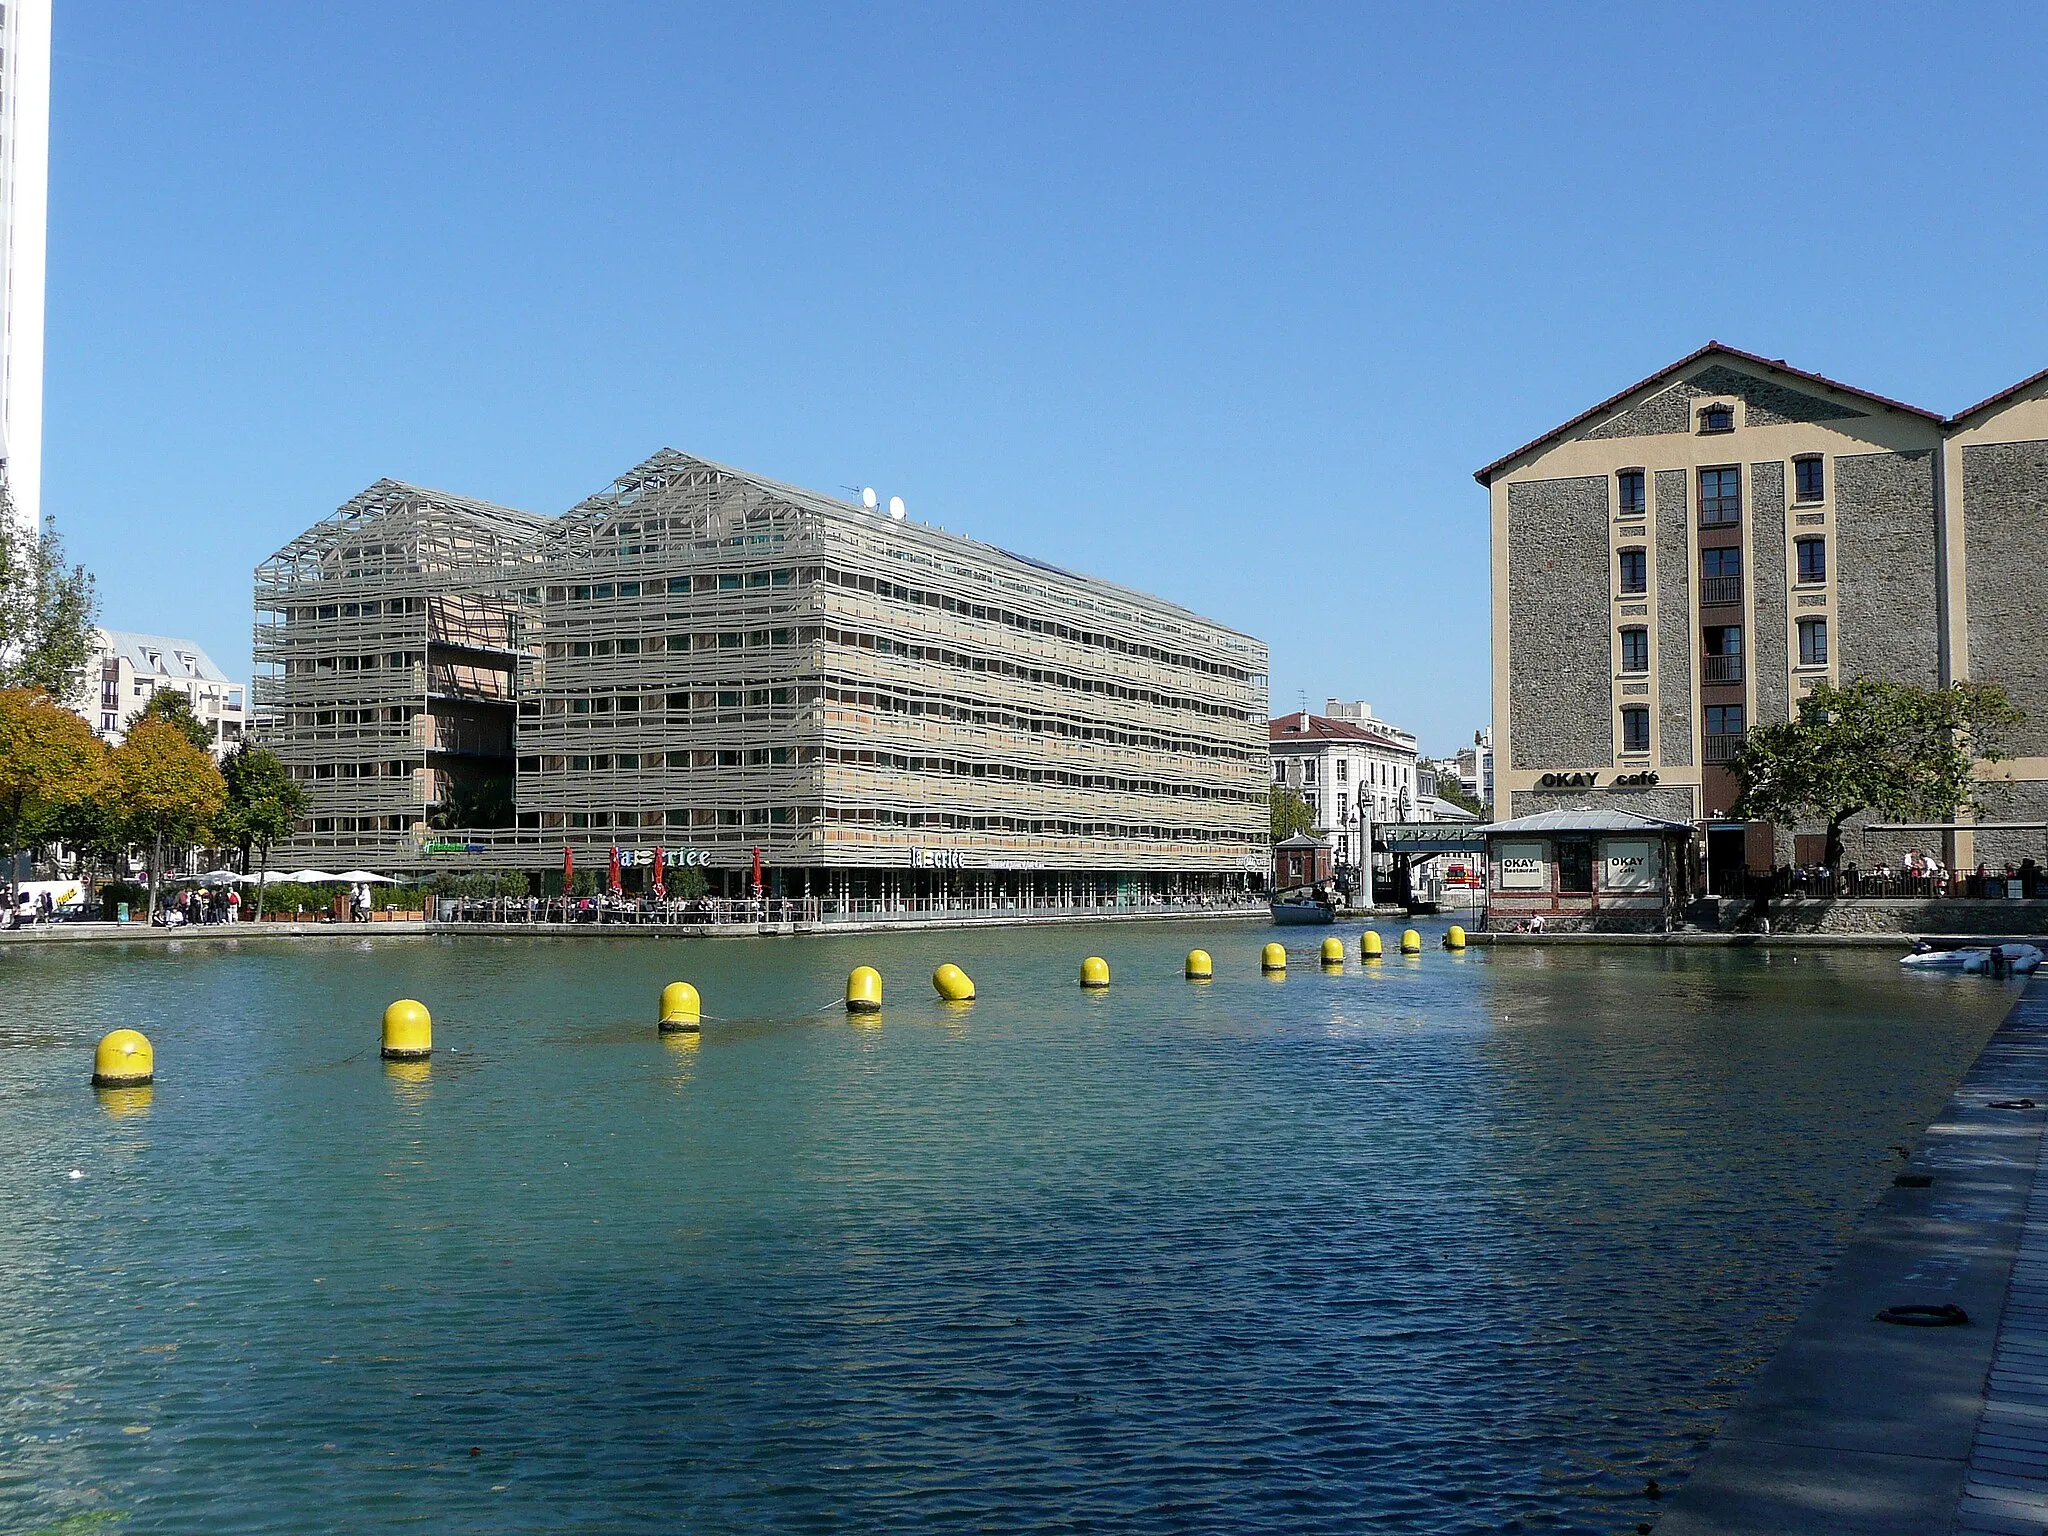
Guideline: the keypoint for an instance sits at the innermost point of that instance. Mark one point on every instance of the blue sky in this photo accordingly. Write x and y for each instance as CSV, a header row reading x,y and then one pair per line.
x,y
1222,302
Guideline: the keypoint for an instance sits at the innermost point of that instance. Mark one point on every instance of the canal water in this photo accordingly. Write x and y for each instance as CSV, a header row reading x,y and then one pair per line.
x,y
1472,1243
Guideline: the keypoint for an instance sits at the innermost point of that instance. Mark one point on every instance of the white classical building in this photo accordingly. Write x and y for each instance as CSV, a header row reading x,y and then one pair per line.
x,y
125,670
1352,769
24,209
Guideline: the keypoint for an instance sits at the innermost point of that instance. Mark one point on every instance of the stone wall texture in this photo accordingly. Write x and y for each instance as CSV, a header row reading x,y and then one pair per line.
x,y
1820,916
1674,621
2005,518
1885,574
1769,645
1663,415
1560,615
1767,404
1672,802
2022,800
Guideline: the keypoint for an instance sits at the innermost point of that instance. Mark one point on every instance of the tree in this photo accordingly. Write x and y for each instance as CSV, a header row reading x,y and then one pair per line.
x,y
264,803
167,790
1448,788
1291,814
48,758
46,611
1907,753
175,708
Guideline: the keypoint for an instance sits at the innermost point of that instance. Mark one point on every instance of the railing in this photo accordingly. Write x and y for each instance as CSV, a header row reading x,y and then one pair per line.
x,y
715,910
1720,591
1884,883
1722,749
1720,669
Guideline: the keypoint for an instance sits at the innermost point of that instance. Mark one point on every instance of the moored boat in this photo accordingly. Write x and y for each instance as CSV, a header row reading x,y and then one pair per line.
x,y
1294,911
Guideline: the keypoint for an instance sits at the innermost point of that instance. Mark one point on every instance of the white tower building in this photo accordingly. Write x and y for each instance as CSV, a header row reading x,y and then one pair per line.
x,y
24,218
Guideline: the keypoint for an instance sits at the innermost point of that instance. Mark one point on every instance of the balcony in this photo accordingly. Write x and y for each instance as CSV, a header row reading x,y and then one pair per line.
x,y
1722,749
1721,669
1720,591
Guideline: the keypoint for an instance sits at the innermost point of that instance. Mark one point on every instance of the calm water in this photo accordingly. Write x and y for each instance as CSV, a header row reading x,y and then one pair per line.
x,y
1462,1244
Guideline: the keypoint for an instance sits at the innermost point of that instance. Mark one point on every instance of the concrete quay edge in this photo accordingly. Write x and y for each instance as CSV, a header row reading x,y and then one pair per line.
x,y
1754,940
1862,1427
235,933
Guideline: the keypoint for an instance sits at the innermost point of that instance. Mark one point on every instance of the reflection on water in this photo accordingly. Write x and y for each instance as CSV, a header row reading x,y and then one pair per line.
x,y
123,1102
1442,1243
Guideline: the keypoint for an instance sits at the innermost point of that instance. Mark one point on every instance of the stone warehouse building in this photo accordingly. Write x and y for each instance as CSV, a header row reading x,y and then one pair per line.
x,y
703,661
1690,557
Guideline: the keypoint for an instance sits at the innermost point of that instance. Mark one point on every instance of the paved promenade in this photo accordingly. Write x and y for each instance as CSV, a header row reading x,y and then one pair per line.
x,y
1862,1426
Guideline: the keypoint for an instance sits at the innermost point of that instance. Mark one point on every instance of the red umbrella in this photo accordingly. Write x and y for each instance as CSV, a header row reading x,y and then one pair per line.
x,y
618,885
757,872
660,885
568,869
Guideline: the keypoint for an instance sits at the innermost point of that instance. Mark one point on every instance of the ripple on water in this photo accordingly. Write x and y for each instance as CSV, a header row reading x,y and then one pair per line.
x,y
1447,1245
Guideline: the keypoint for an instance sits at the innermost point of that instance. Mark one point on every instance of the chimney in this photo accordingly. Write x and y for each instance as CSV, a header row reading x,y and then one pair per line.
x,y
1304,721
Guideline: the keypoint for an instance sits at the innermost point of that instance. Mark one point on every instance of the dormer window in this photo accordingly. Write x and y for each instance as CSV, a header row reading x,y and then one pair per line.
x,y
1717,418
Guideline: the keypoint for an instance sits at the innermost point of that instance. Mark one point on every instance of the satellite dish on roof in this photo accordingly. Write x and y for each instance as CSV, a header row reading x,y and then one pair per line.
x,y
896,508
867,497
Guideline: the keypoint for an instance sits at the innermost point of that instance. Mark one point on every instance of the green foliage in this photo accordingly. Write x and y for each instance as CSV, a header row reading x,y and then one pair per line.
x,y
1290,814
46,611
264,803
482,885
687,884
1908,754
475,800
172,707
1448,788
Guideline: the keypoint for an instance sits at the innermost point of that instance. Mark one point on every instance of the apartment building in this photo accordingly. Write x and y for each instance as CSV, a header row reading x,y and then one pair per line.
x,y
1353,769
124,671
1692,556
707,662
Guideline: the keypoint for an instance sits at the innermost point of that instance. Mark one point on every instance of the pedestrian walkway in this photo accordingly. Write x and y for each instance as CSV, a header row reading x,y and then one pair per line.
x,y
2005,1491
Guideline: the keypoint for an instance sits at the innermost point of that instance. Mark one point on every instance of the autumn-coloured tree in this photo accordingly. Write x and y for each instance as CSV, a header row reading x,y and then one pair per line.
x,y
167,790
48,758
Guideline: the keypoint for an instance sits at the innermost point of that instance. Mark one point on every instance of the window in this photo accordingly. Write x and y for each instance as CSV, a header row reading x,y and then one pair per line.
x,y
1720,496
1308,770
1575,865
1718,418
1635,572
1721,576
1635,650
1809,480
1813,642
1724,719
1635,729
1343,769
1630,485
1722,661
1813,561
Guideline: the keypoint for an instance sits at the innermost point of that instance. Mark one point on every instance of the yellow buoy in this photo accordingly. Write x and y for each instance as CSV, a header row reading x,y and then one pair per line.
x,y
123,1059
864,990
953,984
1411,942
1455,938
408,1031
1273,958
680,1007
1369,945
1333,951
1200,966
1095,972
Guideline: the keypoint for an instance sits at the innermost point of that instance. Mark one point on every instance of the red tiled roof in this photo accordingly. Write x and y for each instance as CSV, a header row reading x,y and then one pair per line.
x,y
1998,399
1323,728
1775,365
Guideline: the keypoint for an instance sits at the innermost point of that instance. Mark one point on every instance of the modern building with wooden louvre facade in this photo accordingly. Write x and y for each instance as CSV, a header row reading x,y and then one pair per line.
x,y
705,661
